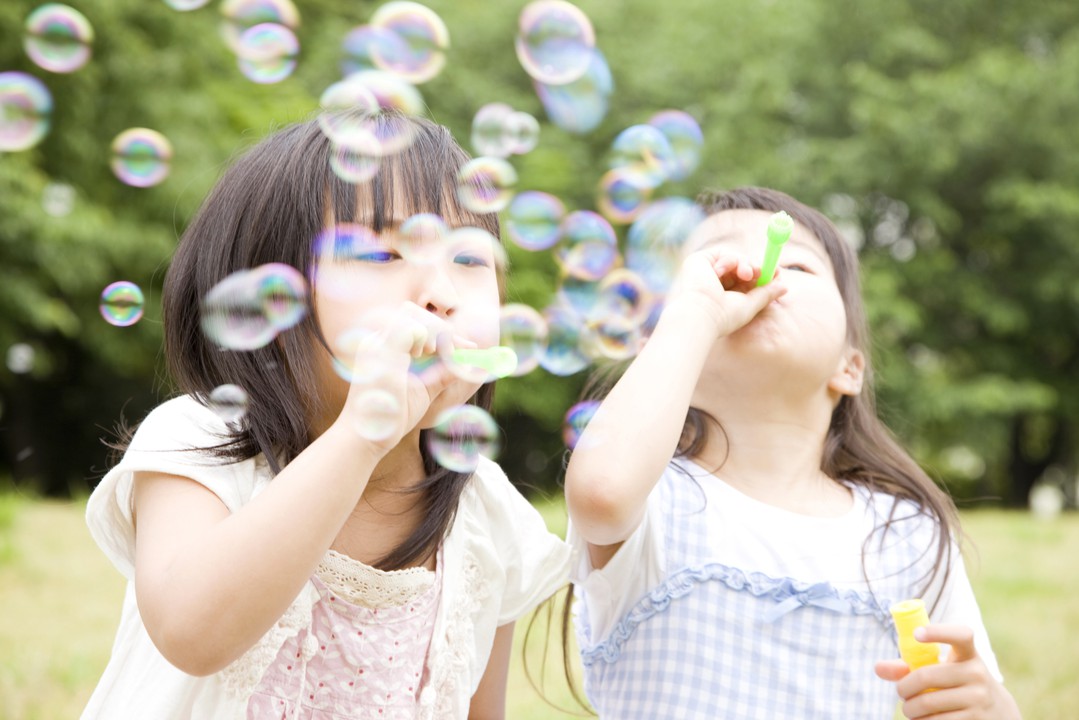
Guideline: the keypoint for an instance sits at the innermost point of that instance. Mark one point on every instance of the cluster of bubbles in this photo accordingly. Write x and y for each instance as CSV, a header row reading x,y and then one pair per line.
x,y
249,308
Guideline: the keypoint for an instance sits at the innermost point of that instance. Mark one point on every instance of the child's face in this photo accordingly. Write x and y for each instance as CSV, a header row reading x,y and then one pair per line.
x,y
454,277
804,332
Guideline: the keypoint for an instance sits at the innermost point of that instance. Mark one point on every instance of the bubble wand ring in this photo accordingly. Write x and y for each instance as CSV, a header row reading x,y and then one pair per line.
x,y
780,227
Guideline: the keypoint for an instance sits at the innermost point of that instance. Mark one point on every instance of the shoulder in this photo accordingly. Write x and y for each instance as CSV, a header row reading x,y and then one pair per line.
x,y
182,423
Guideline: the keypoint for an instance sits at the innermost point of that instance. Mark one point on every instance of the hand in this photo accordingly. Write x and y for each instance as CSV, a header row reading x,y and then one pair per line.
x,y
724,287
959,688
386,399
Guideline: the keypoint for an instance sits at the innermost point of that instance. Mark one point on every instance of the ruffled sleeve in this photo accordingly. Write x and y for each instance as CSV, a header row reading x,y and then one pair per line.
x,y
167,441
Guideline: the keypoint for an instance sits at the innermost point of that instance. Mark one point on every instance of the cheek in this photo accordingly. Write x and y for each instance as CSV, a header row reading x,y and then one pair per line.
x,y
478,317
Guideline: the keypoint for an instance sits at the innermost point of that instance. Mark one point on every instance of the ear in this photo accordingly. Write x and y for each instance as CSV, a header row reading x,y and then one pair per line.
x,y
849,374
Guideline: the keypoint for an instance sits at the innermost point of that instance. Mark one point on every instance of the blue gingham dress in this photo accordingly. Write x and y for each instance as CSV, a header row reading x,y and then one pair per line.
x,y
719,642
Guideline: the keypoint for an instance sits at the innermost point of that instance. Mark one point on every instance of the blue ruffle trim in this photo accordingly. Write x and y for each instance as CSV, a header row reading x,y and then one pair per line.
x,y
788,594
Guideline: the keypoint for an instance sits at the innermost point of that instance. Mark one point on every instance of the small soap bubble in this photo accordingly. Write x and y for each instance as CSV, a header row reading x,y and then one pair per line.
x,y
577,418
622,195
25,111
643,150
233,313
375,414
625,292
141,157
523,330
229,402
613,335
20,358
122,303
58,38
485,184
533,220
554,41
565,332
355,154
58,199
390,93
343,102
589,246
241,15
282,291
523,131
460,435
490,133
654,241
580,106
421,54
186,5
360,44
684,135
266,53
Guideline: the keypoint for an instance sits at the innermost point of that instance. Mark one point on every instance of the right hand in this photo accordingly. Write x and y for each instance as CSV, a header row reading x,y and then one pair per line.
x,y
721,288
388,342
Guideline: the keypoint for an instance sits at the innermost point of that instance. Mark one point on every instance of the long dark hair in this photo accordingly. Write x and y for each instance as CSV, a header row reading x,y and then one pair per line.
x,y
268,207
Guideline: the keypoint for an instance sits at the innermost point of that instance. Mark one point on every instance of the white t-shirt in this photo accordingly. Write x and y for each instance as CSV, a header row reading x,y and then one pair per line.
x,y
755,536
499,562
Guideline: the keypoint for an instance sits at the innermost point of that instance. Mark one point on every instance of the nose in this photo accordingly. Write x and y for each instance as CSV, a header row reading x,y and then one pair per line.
x,y
436,292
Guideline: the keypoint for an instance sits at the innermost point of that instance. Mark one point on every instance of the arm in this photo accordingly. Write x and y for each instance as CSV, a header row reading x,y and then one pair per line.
x,y
489,700
612,472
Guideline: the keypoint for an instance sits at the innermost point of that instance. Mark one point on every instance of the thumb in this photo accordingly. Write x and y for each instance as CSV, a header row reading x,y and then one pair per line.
x,y
760,297
892,670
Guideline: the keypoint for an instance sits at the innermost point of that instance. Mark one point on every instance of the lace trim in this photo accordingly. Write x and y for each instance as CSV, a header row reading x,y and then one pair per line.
x,y
788,594
242,676
450,661
370,587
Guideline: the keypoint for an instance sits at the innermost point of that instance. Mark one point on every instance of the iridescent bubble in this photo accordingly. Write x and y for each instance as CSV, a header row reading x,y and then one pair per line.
x,y
141,157
485,184
58,199
613,335
460,435
186,5
533,220
589,246
580,106
577,418
267,53
565,333
390,93
240,15
20,358
25,110
421,55
375,414
654,241
229,402
342,102
58,38
554,41
490,136
643,150
233,313
625,292
283,293
523,330
355,154
685,138
359,46
523,131
578,295
622,195
122,303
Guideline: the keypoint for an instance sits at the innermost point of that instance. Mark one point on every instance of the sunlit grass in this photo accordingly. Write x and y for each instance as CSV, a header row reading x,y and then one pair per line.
x,y
60,603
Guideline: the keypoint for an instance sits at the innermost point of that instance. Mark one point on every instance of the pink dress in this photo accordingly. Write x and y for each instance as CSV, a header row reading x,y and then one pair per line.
x,y
365,652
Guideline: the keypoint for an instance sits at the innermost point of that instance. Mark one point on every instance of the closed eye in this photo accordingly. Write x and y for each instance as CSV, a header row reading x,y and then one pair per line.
x,y
798,267
471,260
378,257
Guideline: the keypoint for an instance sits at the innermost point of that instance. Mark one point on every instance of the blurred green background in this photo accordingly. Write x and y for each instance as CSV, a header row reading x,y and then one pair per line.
x,y
940,136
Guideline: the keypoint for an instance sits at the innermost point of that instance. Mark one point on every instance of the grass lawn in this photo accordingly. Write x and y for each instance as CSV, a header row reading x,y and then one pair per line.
x,y
60,601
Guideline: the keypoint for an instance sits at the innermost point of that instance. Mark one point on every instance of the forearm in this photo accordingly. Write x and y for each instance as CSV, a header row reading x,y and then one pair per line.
x,y
635,431
214,592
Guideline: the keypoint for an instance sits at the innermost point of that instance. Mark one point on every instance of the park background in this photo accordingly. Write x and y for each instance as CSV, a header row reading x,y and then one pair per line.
x,y
939,136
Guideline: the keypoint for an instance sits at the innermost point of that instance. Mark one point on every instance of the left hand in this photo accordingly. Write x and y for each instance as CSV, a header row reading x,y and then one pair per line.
x,y
961,686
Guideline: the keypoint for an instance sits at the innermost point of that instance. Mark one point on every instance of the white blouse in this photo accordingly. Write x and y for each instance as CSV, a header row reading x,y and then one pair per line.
x,y
499,562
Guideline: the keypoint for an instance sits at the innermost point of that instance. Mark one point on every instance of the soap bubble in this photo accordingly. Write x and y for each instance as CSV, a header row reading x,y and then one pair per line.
x,y
533,220
122,303
460,435
612,334
57,199
523,330
361,43
625,292
20,358
421,54
554,41
267,53
654,241
622,195
578,295
355,154
485,184
25,110
229,402
186,5
419,233
685,138
589,246
241,15
283,293
141,157
489,132
577,418
523,131
389,93
375,414
58,38
580,106
565,332
643,150
248,308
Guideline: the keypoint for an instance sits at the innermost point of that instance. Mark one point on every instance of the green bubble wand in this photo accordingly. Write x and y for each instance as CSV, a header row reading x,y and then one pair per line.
x,y
499,361
780,227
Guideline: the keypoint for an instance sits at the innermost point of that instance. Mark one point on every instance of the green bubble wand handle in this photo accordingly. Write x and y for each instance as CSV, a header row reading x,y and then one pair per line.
x,y
499,361
779,231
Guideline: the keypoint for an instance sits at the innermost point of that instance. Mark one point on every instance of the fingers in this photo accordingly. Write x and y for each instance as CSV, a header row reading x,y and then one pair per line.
x,y
959,637
892,670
